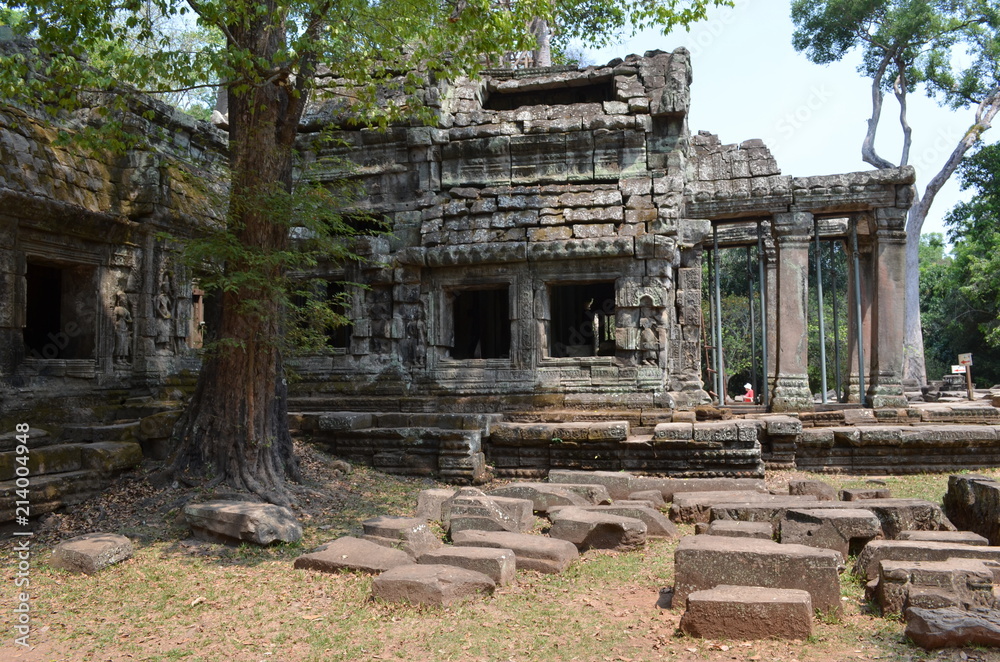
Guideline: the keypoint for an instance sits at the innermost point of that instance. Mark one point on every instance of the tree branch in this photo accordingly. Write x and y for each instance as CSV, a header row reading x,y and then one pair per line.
x,y
899,88
868,153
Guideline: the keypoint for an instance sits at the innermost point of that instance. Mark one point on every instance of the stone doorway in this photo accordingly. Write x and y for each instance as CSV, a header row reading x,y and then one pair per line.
x,y
60,311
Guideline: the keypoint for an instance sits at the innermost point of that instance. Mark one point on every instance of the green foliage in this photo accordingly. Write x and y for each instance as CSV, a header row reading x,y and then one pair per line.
x,y
960,292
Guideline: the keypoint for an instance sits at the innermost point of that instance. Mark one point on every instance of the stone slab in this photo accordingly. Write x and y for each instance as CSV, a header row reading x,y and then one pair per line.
x,y
864,493
543,496
822,491
747,613
916,550
595,530
242,521
956,537
91,552
350,553
657,524
703,562
470,508
691,507
531,552
845,530
620,483
735,529
654,497
496,563
973,504
429,503
410,534
950,627
440,585
965,583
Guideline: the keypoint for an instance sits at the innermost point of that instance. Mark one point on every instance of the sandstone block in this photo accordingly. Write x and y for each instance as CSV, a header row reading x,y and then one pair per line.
x,y
704,562
496,563
917,550
470,508
734,529
431,584
748,612
110,457
543,496
349,553
956,537
617,483
845,530
657,524
531,552
410,534
429,503
822,491
964,583
973,504
242,521
942,628
91,552
653,497
859,494
691,507
590,530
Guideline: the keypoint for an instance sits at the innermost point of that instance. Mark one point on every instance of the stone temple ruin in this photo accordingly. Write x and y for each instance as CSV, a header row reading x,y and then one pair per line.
x,y
537,304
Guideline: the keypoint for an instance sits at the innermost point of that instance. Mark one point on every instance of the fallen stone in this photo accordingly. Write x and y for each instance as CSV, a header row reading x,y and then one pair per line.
x,y
620,483
592,530
617,483
845,530
470,508
956,537
690,507
748,612
916,550
963,583
704,562
91,552
531,552
496,563
431,584
861,494
951,627
657,524
654,497
733,529
817,488
543,496
232,522
410,534
973,504
349,553
429,503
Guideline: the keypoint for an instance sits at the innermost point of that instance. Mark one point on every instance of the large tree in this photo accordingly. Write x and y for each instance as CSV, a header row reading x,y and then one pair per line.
x,y
271,56
950,49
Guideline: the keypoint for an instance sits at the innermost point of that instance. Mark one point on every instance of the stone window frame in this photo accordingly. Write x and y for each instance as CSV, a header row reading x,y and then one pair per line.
x,y
444,333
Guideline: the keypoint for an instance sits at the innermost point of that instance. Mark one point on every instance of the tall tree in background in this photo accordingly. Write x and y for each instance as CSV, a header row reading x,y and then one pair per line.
x,y
271,57
908,44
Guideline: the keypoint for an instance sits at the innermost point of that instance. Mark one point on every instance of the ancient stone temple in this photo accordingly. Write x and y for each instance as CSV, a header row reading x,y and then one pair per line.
x,y
541,283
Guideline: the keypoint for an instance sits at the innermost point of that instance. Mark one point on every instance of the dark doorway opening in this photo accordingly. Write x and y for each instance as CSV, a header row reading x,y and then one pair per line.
x,y
583,320
59,312
482,324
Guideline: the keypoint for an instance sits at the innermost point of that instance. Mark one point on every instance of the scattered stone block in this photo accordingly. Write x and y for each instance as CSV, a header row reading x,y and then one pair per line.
x,y
692,507
734,529
817,488
470,508
531,552
748,612
956,537
429,503
973,504
845,530
350,553
543,496
410,534
617,483
657,524
863,493
916,550
232,522
669,487
654,497
431,584
594,530
704,562
91,552
496,563
964,583
950,627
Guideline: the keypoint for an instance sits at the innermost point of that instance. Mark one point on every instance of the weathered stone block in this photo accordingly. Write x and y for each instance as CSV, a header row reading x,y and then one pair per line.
x,y
860,494
822,491
704,562
748,612
657,525
653,497
617,483
698,506
410,534
973,504
111,457
543,496
431,584
540,553
496,563
470,508
954,537
242,521
964,583
429,503
733,529
91,553
843,530
950,627
916,550
590,530
349,553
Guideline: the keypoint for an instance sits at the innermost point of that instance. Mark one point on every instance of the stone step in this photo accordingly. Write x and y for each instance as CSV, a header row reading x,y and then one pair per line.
x,y
106,457
36,437
50,492
110,432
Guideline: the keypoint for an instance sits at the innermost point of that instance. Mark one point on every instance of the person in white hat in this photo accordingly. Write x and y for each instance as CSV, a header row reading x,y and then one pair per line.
x,y
748,397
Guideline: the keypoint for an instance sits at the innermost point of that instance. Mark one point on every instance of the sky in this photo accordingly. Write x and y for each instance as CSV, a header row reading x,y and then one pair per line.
x,y
748,82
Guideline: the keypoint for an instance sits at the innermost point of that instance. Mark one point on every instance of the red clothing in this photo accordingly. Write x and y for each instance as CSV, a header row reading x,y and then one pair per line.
x,y
749,395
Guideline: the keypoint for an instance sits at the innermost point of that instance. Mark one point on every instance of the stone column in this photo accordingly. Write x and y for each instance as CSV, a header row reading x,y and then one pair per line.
x,y
885,387
867,293
791,384
11,302
771,294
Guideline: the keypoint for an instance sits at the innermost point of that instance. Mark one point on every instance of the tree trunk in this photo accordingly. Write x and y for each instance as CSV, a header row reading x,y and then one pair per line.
x,y
542,55
236,427
914,369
